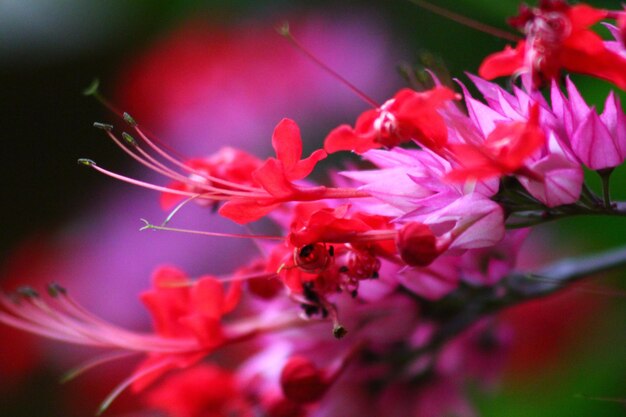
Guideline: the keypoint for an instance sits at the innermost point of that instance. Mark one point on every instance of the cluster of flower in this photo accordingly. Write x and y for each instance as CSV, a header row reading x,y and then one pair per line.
x,y
373,253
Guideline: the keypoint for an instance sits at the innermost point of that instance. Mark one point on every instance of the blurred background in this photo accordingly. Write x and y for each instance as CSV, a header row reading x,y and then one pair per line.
x,y
205,74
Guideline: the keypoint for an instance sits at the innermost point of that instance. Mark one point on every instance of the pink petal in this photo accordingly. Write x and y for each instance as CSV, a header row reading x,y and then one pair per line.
x,y
594,145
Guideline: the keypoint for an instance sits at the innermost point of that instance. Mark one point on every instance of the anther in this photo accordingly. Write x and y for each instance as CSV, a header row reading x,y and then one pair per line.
x,y
27,292
129,119
283,29
129,139
339,331
92,89
54,290
104,126
86,162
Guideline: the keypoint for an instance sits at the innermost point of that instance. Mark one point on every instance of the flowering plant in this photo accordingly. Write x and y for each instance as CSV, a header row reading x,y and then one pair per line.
x,y
379,284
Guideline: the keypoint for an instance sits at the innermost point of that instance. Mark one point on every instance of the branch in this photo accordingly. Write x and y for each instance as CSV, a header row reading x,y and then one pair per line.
x,y
562,273
541,215
461,309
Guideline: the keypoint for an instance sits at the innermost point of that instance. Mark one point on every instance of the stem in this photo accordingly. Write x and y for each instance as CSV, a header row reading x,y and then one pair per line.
x,y
544,215
467,305
464,20
589,197
559,274
605,176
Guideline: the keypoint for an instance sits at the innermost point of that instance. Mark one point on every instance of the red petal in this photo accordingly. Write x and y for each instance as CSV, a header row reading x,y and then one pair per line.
x,y
169,200
271,176
232,297
503,152
359,140
582,16
208,330
604,64
584,42
304,167
246,210
342,138
418,117
475,164
207,296
165,302
173,362
503,63
287,143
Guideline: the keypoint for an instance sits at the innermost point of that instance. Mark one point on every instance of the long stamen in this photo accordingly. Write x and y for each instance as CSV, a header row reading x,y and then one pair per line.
x,y
187,180
283,30
129,381
93,90
79,327
375,236
177,209
187,168
148,225
149,162
321,193
158,167
229,278
206,196
19,322
97,361
466,21
122,338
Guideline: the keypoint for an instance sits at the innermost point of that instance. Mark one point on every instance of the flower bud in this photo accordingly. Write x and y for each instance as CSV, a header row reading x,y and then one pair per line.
x,y
301,381
417,244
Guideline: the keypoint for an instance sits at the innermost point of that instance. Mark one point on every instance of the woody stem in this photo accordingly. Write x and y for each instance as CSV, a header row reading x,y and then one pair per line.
x,y
467,305
544,215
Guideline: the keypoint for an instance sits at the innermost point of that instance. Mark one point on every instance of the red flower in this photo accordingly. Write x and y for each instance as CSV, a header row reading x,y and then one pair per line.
x,y
408,115
558,37
326,225
503,152
228,164
275,176
332,249
203,391
184,309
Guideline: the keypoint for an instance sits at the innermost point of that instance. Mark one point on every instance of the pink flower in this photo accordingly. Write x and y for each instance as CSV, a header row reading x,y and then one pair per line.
x,y
551,173
598,141
504,151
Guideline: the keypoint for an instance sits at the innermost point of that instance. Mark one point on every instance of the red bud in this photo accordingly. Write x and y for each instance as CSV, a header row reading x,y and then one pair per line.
x,y
301,381
417,244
